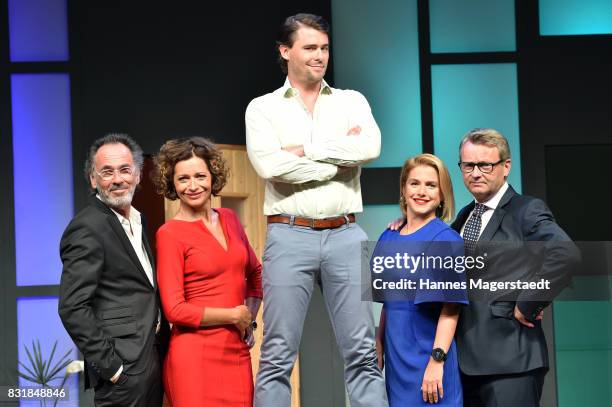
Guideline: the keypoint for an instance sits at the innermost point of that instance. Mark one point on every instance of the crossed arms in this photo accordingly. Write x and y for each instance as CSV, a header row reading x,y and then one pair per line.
x,y
319,160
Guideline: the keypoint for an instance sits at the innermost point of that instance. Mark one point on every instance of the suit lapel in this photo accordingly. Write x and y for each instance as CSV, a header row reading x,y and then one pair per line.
x,y
127,245
122,236
148,250
462,217
498,215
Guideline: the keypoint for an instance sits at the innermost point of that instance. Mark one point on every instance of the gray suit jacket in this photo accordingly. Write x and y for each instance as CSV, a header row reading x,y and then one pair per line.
x,y
489,339
107,304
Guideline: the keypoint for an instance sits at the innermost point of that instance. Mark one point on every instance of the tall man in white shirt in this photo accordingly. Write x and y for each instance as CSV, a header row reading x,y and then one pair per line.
x,y
500,342
308,140
109,302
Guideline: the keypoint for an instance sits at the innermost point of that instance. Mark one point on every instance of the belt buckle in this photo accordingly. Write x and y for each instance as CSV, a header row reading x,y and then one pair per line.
x,y
312,223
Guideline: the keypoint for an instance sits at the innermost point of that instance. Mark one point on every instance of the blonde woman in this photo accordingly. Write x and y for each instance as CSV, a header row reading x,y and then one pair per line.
x,y
415,337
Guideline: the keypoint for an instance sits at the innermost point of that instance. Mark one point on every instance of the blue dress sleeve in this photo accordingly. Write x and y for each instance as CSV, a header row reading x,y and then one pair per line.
x,y
442,278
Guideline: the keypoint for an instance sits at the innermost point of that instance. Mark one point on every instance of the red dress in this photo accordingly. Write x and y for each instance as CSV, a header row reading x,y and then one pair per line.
x,y
208,366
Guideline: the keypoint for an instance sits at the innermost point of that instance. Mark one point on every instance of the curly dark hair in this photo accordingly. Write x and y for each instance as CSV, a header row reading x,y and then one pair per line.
x,y
177,150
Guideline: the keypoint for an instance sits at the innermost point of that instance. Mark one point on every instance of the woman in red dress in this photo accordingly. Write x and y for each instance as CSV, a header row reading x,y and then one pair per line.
x,y
209,281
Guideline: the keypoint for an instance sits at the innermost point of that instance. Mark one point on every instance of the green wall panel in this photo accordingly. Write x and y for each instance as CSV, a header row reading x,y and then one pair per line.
x,y
583,325
375,218
583,378
468,96
472,25
375,50
575,17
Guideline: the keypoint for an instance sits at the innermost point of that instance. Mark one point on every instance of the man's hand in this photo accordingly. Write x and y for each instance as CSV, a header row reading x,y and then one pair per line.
x,y
296,150
354,131
380,354
518,315
395,225
249,337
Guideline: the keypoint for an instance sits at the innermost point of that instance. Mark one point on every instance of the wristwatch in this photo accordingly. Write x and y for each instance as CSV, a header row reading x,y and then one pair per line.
x,y
254,325
438,355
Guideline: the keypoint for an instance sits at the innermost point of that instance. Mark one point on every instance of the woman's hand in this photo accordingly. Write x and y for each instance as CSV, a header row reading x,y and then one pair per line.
x,y
242,319
432,382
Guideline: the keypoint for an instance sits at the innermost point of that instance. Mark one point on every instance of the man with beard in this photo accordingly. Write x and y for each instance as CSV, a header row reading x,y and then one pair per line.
x,y
109,302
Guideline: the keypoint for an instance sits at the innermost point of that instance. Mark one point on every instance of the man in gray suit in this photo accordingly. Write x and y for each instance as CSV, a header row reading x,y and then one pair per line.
x,y
501,345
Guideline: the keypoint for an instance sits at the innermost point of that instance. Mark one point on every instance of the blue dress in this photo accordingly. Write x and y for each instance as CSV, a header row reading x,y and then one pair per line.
x,y
410,325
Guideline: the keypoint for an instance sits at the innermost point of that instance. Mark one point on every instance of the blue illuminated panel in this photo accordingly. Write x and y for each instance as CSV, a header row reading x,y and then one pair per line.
x,y
37,319
376,51
472,25
575,17
38,30
474,95
42,157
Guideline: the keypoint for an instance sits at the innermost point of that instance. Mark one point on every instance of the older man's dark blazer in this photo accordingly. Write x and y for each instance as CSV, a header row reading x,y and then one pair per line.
x,y
107,304
490,340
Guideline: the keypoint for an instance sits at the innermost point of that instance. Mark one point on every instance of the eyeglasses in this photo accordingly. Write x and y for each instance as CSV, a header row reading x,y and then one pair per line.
x,y
485,168
108,174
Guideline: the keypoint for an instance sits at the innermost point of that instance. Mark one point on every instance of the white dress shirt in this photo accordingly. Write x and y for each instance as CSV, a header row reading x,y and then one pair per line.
x,y
491,204
311,186
133,230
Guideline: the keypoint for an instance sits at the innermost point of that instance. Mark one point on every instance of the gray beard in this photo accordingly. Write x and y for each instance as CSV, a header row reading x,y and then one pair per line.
x,y
117,203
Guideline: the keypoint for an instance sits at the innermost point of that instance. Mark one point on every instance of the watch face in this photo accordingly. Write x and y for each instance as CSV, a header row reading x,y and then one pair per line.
x,y
438,355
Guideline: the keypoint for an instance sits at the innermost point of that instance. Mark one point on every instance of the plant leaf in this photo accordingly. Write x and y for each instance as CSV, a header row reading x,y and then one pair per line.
x,y
60,365
58,369
40,363
48,364
43,371
32,363
28,378
27,369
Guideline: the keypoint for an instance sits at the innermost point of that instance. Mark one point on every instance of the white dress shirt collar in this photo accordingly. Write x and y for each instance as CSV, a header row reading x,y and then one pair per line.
x,y
134,215
289,91
495,199
491,204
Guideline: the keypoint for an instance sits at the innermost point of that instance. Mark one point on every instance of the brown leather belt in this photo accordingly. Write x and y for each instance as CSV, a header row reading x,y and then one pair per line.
x,y
326,223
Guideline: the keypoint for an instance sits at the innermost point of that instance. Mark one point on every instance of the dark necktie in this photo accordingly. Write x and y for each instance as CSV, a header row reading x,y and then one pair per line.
x,y
471,232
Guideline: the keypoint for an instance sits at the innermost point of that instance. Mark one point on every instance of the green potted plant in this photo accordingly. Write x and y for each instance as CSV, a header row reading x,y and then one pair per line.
x,y
45,371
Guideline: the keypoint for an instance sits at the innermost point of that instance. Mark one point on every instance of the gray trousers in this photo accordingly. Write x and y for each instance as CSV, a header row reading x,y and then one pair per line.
x,y
294,258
